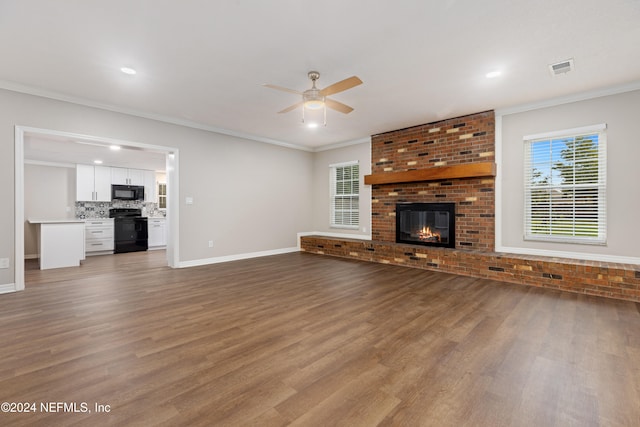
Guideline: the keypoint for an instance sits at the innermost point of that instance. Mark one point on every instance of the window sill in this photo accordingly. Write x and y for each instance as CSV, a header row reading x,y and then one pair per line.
x,y
573,241
345,227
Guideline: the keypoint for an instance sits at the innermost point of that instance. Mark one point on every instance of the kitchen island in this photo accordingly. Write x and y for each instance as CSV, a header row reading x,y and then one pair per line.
x,y
60,242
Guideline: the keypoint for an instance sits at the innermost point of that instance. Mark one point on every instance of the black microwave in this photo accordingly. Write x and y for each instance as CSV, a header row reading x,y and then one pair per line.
x,y
127,192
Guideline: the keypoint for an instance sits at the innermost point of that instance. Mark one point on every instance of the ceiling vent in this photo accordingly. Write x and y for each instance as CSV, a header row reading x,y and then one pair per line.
x,y
562,67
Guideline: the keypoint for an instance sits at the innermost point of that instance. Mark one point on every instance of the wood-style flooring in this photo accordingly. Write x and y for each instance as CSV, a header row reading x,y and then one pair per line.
x,y
306,340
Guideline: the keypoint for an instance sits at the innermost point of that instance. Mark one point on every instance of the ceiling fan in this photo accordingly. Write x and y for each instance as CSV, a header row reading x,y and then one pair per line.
x,y
315,99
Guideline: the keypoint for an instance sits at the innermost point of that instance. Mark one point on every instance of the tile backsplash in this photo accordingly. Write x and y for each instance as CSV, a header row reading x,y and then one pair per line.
x,y
88,210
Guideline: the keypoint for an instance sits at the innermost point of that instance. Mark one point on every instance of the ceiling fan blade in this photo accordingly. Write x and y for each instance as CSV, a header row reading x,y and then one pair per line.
x,y
341,86
338,106
291,108
284,89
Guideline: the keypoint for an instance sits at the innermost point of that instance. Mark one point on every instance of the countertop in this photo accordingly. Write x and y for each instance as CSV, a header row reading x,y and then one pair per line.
x,y
55,221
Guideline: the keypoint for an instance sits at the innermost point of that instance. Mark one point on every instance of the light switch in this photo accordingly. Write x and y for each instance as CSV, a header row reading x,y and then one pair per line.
x,y
188,200
4,262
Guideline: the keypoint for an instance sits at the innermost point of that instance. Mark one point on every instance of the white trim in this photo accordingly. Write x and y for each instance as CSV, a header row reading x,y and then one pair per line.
x,y
337,235
343,144
15,87
568,255
344,164
31,256
7,288
583,96
237,257
344,227
18,256
566,132
173,209
97,139
52,164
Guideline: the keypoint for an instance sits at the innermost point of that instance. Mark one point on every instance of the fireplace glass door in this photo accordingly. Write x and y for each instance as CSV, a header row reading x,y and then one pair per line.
x,y
429,224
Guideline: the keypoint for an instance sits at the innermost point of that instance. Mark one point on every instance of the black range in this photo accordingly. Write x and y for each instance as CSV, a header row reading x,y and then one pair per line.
x,y
130,230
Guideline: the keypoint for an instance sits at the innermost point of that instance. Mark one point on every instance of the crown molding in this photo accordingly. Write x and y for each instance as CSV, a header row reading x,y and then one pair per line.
x,y
52,164
575,97
43,93
343,144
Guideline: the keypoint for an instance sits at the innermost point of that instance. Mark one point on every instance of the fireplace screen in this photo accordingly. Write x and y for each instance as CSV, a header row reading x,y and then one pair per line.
x,y
429,224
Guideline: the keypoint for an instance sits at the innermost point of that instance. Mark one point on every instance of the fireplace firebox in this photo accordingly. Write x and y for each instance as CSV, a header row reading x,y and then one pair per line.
x,y
429,224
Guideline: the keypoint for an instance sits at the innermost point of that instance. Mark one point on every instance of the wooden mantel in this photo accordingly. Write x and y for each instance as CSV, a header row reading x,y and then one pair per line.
x,y
467,170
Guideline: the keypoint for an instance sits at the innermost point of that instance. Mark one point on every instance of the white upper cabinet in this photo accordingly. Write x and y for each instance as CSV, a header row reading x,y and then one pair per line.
x,y
102,176
124,176
149,186
93,183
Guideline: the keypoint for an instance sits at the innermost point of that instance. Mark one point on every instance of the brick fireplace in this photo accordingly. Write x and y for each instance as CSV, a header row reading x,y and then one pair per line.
x,y
453,162
460,141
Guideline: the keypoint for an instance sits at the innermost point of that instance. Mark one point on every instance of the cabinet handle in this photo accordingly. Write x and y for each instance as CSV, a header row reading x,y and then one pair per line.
x,y
96,244
96,232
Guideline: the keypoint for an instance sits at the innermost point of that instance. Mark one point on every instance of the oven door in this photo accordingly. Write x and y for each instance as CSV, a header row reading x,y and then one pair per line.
x,y
130,235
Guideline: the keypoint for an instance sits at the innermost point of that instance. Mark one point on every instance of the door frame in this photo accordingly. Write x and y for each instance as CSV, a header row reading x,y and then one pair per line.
x,y
172,166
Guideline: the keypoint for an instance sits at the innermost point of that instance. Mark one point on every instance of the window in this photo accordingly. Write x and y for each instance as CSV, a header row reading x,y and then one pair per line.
x,y
565,186
162,195
345,195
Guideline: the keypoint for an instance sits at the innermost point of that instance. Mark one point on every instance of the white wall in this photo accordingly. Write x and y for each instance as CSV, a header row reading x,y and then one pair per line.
x,y
248,196
49,193
620,113
321,183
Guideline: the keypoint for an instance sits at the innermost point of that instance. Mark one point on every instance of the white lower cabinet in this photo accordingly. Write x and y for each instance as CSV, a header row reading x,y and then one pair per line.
x,y
157,232
98,236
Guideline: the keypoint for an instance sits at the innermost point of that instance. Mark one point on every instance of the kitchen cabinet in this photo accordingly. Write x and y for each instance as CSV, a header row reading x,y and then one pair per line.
x,y
124,176
157,233
93,183
98,236
149,186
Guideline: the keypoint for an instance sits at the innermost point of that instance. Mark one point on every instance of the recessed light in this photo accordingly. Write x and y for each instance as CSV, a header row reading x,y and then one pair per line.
x,y
128,70
493,74
312,125
97,162
115,147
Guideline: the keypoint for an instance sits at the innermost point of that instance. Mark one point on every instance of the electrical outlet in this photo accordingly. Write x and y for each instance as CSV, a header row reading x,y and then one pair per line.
x,y
210,243
4,262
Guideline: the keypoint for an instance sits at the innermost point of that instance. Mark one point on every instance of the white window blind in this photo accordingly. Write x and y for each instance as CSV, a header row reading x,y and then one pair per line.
x,y
565,186
345,195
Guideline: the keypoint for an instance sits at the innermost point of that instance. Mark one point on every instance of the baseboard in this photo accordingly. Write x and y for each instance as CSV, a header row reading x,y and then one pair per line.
x,y
7,288
237,257
568,255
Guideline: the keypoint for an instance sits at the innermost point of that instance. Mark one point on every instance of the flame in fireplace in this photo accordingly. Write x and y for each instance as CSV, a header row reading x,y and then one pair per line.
x,y
427,235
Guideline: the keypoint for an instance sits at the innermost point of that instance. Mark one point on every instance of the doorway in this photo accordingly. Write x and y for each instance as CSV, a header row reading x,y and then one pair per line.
x,y
171,156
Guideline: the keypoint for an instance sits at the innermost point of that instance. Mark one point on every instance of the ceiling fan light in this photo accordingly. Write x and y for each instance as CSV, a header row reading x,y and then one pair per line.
x,y
314,104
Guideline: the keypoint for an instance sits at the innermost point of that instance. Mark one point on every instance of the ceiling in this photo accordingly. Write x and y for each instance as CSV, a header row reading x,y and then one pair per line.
x,y
70,151
203,63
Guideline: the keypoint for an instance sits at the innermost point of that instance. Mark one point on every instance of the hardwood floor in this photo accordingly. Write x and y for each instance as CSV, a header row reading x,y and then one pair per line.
x,y
307,340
